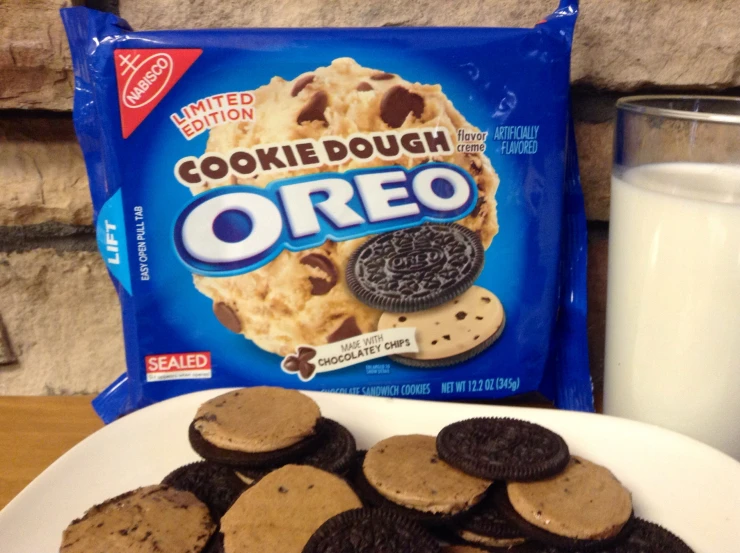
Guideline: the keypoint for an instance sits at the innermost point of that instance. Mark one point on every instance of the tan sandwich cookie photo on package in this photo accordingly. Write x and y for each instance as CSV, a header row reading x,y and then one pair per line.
x,y
407,471
282,511
302,297
154,519
454,331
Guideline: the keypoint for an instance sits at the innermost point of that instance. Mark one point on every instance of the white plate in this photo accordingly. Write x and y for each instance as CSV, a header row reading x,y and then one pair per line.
x,y
680,483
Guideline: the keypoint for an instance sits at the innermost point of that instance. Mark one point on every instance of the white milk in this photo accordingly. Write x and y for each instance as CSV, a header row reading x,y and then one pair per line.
x,y
673,305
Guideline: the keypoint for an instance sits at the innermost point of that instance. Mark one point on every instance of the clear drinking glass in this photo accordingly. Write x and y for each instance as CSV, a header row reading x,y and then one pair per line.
x,y
673,302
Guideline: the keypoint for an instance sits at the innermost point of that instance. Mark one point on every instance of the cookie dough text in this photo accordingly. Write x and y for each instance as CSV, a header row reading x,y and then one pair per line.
x,y
244,163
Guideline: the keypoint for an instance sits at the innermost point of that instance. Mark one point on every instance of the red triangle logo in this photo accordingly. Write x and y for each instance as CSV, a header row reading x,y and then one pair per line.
x,y
144,77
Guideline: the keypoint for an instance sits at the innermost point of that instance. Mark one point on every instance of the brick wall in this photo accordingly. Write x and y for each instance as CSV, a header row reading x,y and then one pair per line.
x,y
59,317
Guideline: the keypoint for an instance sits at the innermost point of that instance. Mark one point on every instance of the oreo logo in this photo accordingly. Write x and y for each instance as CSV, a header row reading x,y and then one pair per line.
x,y
235,229
415,262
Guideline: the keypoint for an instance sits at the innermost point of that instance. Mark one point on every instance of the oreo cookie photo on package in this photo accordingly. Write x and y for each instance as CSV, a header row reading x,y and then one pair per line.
x,y
388,212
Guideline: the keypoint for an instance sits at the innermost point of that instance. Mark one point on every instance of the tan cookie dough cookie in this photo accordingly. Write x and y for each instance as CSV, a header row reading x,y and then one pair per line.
x,y
585,501
474,318
301,297
281,512
154,519
408,471
256,420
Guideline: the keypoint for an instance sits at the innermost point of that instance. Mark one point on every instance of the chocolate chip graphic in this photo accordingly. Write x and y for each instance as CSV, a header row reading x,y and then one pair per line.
x,y
485,299
281,489
382,76
446,336
364,87
476,167
306,354
307,369
314,109
291,363
460,315
301,83
347,329
478,205
321,286
227,317
402,319
397,104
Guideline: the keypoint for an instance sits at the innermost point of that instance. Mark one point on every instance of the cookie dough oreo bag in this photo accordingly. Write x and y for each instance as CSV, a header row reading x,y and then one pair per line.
x,y
392,212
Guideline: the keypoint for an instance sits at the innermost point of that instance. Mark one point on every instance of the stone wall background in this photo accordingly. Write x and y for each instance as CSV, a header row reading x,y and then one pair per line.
x,y
59,317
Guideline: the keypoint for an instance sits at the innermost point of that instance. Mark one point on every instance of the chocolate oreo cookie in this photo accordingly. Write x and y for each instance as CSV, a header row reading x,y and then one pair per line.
x,y
503,449
215,485
336,450
501,499
647,537
363,530
264,459
416,268
486,526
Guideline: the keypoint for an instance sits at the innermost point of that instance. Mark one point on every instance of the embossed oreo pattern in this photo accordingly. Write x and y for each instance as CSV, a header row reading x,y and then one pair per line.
x,y
503,449
364,530
215,485
337,449
648,537
416,268
487,520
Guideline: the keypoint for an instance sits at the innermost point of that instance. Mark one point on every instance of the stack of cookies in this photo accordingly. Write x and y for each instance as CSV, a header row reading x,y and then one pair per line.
x,y
277,477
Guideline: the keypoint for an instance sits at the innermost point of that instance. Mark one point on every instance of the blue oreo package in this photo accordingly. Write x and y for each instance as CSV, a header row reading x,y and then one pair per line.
x,y
390,212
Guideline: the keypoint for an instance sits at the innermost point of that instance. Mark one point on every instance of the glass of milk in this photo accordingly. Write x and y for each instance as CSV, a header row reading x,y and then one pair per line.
x,y
673,302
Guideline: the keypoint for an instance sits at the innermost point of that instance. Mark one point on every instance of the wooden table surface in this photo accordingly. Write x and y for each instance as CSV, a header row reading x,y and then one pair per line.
x,y
34,432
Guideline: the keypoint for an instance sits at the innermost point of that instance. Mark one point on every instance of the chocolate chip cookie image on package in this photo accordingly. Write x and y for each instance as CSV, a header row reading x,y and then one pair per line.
x,y
453,332
302,297
423,278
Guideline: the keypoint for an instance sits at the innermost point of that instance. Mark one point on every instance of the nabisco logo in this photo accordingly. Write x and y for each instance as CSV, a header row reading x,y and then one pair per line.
x,y
144,77
147,80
